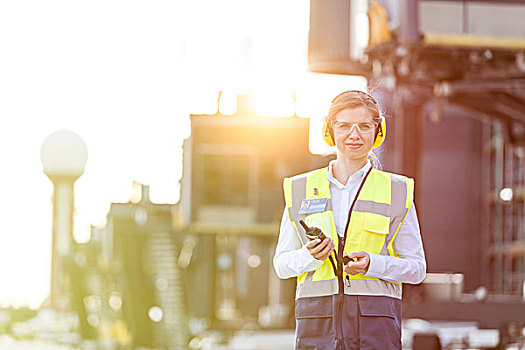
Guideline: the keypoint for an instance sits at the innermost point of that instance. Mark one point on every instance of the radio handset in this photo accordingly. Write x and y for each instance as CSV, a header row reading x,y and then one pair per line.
x,y
315,232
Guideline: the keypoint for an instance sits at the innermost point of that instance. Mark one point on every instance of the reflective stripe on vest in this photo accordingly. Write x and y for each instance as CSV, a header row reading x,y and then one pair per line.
x,y
378,213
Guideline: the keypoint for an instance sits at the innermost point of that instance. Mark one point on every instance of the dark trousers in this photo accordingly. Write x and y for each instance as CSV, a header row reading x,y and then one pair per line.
x,y
367,322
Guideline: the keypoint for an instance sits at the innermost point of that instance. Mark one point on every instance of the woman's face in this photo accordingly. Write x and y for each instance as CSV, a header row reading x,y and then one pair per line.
x,y
353,144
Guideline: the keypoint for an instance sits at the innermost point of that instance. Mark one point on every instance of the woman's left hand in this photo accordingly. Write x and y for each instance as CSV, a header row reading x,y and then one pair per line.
x,y
358,266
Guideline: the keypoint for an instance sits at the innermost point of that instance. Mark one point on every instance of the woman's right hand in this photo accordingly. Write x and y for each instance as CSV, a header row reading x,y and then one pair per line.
x,y
320,250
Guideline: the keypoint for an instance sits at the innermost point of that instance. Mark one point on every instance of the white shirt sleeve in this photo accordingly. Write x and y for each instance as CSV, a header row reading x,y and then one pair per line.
x,y
291,258
410,266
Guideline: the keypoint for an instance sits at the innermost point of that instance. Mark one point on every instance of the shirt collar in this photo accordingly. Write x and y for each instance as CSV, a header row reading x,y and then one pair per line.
x,y
357,176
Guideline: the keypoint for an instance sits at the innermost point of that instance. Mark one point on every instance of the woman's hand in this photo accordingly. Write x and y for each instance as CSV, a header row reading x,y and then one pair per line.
x,y
360,265
320,250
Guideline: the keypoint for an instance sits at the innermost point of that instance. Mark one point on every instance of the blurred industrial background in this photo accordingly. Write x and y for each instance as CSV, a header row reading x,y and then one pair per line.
x,y
198,274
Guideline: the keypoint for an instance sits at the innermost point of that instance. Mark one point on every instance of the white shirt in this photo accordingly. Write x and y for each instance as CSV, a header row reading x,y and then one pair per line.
x,y
292,259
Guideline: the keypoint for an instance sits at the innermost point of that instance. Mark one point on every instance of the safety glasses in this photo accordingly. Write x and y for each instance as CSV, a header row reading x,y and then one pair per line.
x,y
341,127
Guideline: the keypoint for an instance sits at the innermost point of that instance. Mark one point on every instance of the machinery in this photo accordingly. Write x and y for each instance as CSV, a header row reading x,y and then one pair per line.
x,y
450,76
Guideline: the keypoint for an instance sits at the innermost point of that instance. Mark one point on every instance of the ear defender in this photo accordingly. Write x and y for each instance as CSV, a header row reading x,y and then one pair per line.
x,y
380,133
328,134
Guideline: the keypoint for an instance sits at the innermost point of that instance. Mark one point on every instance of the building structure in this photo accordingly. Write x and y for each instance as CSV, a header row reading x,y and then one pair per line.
x,y
231,207
158,275
128,285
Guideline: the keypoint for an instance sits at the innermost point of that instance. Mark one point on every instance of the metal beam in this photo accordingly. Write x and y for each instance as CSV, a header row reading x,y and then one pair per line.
x,y
480,86
252,230
488,106
488,314
520,2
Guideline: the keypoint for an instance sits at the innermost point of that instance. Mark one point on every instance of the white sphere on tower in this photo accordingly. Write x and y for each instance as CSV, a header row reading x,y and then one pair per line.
x,y
63,153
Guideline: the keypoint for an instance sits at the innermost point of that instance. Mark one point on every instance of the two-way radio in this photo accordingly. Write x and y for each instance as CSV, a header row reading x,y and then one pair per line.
x,y
315,232
312,232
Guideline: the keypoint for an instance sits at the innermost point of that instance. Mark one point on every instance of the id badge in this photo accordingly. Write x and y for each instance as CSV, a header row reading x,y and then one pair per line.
x,y
314,205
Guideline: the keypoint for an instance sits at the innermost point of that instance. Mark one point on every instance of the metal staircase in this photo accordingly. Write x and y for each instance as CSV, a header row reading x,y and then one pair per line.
x,y
172,330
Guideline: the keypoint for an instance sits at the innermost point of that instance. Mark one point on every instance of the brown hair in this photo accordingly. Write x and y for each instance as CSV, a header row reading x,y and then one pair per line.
x,y
350,100
353,99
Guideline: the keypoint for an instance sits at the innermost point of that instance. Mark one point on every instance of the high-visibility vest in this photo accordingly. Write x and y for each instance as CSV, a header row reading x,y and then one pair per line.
x,y
379,209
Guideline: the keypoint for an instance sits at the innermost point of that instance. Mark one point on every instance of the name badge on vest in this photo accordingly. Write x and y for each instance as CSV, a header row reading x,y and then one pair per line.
x,y
314,205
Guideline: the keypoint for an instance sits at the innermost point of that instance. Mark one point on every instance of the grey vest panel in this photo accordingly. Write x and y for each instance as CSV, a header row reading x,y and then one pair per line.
x,y
310,288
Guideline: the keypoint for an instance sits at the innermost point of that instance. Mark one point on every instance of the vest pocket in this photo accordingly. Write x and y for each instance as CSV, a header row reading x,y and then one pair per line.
x,y
375,229
314,319
379,315
317,343
379,306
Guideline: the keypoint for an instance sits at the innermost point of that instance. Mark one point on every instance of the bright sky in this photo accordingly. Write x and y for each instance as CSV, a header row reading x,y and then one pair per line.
x,y
124,75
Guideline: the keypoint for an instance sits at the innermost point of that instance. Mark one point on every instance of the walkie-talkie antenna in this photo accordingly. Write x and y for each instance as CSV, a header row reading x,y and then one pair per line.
x,y
303,224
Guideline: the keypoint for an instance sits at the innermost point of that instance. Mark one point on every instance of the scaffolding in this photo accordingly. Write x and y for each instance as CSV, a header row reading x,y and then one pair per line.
x,y
504,236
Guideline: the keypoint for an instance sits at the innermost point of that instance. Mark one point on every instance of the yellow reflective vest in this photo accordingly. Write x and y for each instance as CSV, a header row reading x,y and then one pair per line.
x,y
381,205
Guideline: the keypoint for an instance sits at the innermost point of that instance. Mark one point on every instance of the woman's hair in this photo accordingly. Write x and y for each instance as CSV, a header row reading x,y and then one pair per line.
x,y
355,99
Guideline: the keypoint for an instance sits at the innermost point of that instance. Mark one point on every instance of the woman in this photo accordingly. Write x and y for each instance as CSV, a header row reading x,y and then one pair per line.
x,y
367,215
